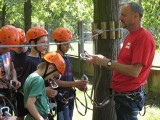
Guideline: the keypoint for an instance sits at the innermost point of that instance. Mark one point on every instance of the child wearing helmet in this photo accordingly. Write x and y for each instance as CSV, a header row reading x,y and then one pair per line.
x,y
35,36
8,36
18,56
35,99
64,36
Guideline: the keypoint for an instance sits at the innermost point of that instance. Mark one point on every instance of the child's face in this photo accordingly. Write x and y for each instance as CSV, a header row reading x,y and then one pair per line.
x,y
54,74
65,47
42,40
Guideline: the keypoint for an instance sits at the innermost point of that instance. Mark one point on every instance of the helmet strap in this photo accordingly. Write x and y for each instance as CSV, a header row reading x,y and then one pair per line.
x,y
35,41
35,47
60,48
45,73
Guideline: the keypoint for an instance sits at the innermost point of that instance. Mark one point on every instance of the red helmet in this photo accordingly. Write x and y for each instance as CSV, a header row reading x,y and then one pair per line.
x,y
9,35
56,59
21,36
62,35
35,32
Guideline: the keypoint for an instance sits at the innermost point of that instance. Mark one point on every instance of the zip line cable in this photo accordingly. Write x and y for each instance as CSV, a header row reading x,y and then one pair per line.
x,y
98,32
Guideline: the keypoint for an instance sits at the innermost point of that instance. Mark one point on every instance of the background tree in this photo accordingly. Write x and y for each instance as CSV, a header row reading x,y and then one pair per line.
x,y
12,12
3,14
27,14
151,18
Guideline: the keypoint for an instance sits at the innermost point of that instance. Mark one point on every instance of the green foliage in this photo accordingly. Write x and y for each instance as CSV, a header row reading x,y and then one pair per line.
x,y
151,19
62,13
14,12
12,2
55,13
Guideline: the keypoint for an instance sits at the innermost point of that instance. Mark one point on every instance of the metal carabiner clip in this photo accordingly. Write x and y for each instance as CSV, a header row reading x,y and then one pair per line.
x,y
84,77
84,55
53,82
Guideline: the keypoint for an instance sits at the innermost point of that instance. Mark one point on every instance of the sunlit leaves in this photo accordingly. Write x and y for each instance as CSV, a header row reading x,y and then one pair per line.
x,y
55,13
9,2
63,12
151,19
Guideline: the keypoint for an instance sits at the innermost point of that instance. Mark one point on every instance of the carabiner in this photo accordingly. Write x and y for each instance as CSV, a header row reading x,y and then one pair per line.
x,y
84,55
84,77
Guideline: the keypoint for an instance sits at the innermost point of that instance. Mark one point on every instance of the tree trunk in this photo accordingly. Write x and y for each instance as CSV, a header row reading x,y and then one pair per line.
x,y
3,14
105,11
27,14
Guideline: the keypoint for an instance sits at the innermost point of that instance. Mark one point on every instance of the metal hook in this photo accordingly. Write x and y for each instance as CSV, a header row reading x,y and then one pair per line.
x,y
84,77
53,84
84,55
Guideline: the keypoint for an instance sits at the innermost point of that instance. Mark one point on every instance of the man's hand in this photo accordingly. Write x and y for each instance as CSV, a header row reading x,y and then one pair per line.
x,y
98,60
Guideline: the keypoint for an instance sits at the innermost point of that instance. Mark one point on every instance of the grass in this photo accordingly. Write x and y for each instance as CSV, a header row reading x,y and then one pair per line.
x,y
152,108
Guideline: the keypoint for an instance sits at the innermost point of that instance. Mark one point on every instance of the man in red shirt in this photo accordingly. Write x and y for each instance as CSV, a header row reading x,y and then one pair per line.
x,y
133,63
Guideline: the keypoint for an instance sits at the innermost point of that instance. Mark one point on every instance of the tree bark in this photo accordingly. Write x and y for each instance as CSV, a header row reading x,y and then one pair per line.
x,y
4,14
105,11
27,14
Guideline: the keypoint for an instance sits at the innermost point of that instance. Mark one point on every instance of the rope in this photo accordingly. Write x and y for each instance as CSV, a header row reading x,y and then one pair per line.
x,y
86,105
5,98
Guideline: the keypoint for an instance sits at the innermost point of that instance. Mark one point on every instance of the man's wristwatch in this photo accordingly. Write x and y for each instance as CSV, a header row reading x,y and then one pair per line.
x,y
109,63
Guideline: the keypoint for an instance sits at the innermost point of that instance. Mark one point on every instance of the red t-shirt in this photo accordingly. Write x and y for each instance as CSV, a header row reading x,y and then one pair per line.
x,y
138,47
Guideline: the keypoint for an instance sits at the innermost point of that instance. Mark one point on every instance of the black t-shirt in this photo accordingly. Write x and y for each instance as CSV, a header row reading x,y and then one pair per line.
x,y
18,61
30,66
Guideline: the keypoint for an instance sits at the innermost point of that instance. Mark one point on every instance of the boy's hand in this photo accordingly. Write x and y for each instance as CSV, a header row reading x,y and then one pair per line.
x,y
50,92
81,84
16,84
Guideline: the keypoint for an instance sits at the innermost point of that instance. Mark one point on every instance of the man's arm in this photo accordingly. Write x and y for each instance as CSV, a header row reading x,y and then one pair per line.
x,y
130,70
